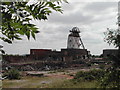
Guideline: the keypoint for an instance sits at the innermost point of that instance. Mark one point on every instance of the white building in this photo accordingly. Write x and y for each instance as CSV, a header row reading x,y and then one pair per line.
x,y
74,40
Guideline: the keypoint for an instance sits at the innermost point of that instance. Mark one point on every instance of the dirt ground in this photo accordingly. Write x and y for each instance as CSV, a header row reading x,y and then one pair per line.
x,y
49,78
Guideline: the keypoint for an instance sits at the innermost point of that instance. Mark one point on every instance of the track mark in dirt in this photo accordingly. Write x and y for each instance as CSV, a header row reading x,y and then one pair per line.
x,y
61,76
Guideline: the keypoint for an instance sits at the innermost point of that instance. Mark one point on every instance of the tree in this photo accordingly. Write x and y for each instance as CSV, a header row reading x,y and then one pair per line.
x,y
112,76
113,37
16,17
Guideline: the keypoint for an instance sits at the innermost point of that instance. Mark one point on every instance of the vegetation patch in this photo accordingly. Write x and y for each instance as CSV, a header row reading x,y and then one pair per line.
x,y
13,74
89,75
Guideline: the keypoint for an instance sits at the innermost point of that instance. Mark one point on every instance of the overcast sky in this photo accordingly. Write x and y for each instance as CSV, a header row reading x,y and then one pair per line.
x,y
93,18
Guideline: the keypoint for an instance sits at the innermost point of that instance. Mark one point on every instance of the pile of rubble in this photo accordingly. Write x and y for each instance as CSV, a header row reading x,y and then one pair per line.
x,y
27,68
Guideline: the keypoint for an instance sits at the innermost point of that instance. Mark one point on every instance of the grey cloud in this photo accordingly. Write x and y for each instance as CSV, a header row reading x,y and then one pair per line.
x,y
100,6
74,18
55,34
91,38
68,7
87,15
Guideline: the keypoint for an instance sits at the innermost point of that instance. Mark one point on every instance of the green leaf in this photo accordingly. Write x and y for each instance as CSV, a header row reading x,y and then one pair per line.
x,y
33,35
16,25
30,25
28,34
17,37
6,40
27,19
21,32
24,28
34,29
3,52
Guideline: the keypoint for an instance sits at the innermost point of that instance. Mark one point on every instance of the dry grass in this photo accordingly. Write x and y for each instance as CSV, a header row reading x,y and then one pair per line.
x,y
30,82
46,82
70,84
53,80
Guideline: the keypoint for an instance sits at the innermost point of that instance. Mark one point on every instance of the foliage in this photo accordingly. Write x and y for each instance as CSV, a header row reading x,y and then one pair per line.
x,y
16,17
112,37
13,74
107,79
102,66
111,79
89,75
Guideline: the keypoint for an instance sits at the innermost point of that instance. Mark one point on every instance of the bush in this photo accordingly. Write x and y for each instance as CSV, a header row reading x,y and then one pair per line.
x,y
111,79
97,73
79,75
102,66
89,75
13,74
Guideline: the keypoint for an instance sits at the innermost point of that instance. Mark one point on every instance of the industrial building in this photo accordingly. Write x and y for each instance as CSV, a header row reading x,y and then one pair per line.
x,y
108,52
75,49
74,54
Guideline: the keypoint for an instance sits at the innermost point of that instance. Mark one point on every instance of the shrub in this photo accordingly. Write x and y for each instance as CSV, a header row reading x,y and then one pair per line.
x,y
89,75
111,79
97,73
79,75
13,74
102,66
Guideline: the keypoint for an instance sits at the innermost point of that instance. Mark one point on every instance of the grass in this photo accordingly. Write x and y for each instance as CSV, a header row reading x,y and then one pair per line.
x,y
47,82
52,81
25,81
71,84
30,82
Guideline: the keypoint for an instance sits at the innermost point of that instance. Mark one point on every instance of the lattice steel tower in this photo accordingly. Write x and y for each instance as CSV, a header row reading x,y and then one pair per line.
x,y
74,39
